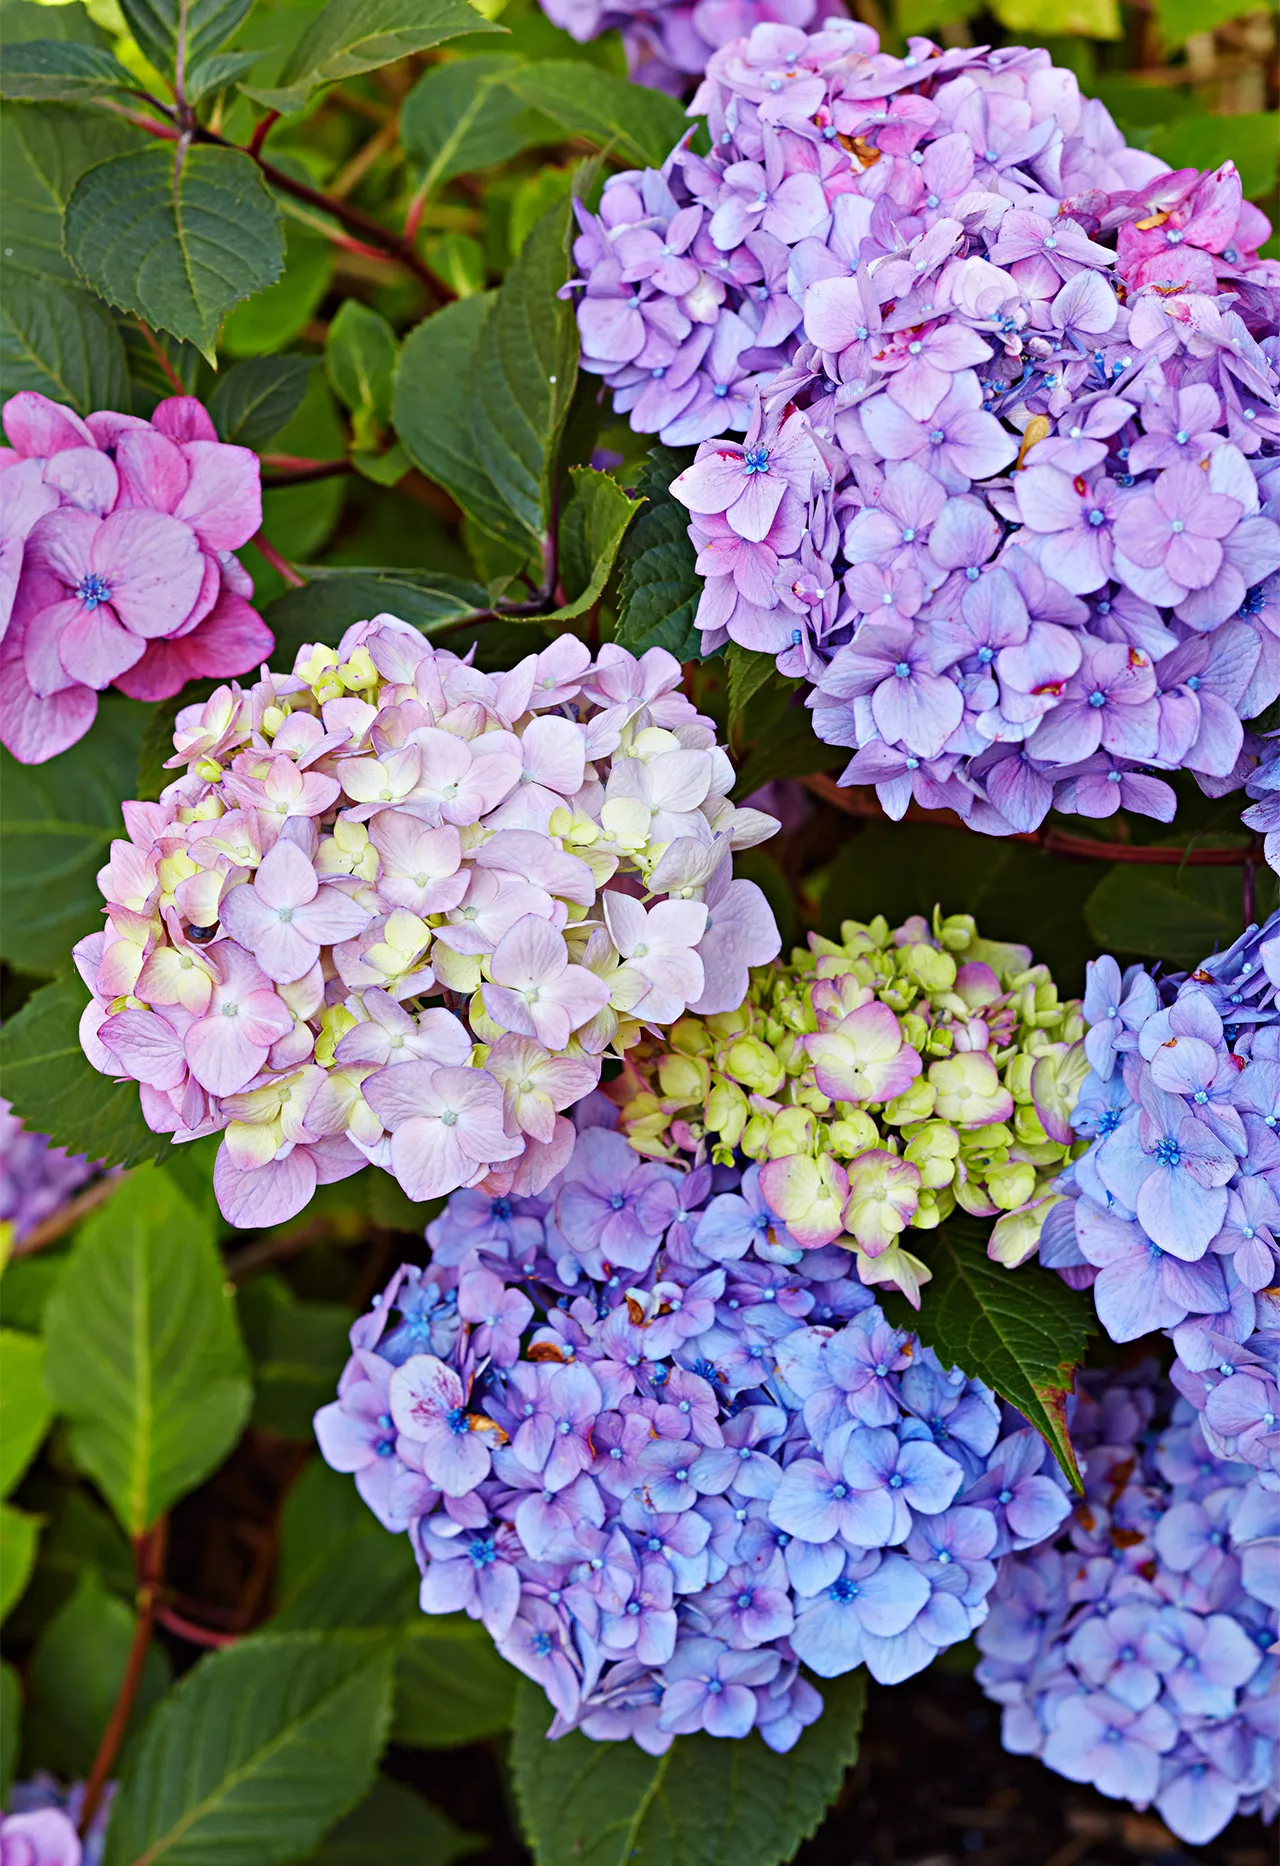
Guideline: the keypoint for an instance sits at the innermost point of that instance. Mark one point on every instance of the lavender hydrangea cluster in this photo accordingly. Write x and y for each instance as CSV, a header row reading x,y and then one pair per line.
x,y
1139,1652
668,42
41,1827
879,1081
117,563
1173,1210
1006,492
35,1177
546,852
665,1464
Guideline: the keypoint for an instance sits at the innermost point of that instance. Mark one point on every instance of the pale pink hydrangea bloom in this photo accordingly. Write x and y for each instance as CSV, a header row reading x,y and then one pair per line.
x,y
546,852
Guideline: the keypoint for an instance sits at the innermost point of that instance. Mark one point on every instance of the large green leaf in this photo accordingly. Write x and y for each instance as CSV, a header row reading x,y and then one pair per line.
x,y
19,1534
177,35
632,121
659,590
338,1566
80,1541
253,400
145,1358
1176,914
394,1827
707,1802
360,356
45,1074
334,597
1179,19
460,117
434,410
10,1726
594,523
44,150
351,36
57,71
176,239
57,822
24,1404
275,317
75,1674
1252,142
255,1753
298,1350
1023,1332
62,343
452,1686
749,671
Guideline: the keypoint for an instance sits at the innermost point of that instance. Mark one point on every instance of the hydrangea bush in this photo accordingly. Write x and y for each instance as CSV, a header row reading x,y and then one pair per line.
x,y
1138,1652
668,1458
119,570
876,1082
1008,397
385,826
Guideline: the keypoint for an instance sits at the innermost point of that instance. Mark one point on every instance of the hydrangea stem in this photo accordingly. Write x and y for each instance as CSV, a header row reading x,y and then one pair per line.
x,y
148,1555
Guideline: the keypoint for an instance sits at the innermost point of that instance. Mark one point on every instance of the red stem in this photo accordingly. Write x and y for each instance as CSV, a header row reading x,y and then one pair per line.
x,y
157,348
193,1634
261,131
287,470
279,564
148,1557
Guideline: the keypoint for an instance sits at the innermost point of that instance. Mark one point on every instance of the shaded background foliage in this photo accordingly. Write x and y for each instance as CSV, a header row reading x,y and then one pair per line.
x,y
405,243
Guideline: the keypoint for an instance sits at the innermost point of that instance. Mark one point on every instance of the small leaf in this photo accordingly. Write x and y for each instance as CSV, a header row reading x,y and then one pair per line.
x,y
452,1685
145,1359
394,1827
24,1404
19,1534
748,672
62,343
591,531
80,1540
338,1566
351,36
252,401
45,1074
360,356
632,121
255,1753
57,71
177,244
75,1674
57,822
706,1802
170,31
1023,1332
216,73
660,588
460,117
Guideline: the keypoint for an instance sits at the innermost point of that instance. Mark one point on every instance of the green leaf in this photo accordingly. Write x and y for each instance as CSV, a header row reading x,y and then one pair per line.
x,y
460,117
177,34
45,1074
351,36
24,1404
659,589
1091,19
145,1359
75,1676
298,1350
58,71
1252,142
179,242
80,1540
360,356
10,1726
44,150
273,318
57,822
253,400
394,1827
18,1536
748,672
1023,1332
62,343
26,1287
216,73
1179,19
255,1753
594,522
458,260
337,1565
434,410
452,1686
705,1803
637,124
334,597
1176,914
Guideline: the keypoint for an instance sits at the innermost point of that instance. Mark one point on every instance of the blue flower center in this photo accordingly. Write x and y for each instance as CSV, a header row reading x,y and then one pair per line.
x,y
756,460
1168,1152
93,589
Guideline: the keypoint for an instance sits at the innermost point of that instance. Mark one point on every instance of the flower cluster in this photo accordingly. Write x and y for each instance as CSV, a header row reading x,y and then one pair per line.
x,y
117,566
385,825
668,42
1139,1653
1173,1209
41,1826
666,1466
879,1082
35,1177
1007,489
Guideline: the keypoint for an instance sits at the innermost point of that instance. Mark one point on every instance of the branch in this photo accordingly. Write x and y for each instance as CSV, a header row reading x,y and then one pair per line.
x,y
58,1223
194,1635
280,565
285,470
148,1555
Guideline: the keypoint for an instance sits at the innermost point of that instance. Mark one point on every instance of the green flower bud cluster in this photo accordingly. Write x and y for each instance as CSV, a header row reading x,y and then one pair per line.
x,y
879,1082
